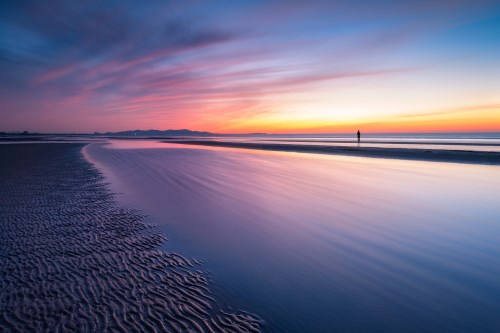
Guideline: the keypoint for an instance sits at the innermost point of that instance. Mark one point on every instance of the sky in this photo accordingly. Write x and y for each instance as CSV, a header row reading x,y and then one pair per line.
x,y
250,66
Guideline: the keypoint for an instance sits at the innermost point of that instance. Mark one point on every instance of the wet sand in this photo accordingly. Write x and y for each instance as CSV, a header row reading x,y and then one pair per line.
x,y
431,155
73,260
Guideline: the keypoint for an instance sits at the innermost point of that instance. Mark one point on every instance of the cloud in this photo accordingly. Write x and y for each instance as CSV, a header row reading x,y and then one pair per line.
x,y
47,39
462,109
186,60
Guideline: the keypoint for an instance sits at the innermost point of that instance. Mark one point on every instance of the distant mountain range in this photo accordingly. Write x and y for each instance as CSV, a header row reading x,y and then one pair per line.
x,y
151,132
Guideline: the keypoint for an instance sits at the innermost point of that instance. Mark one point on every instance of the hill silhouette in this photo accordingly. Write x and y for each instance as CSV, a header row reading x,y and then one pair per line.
x,y
152,132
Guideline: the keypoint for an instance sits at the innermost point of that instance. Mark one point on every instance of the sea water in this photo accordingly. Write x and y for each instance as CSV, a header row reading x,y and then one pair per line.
x,y
324,243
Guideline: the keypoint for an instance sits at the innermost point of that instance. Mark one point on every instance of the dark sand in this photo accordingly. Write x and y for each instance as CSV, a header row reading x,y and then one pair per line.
x,y
73,260
431,155
407,142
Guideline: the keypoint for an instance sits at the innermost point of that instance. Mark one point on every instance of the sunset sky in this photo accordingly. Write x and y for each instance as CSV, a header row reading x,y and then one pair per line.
x,y
250,66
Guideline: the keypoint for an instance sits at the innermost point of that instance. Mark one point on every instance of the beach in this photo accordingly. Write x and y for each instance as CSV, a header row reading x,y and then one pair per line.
x,y
258,240
74,260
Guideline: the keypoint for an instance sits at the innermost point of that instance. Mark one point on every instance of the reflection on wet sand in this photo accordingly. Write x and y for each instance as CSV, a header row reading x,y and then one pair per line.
x,y
327,243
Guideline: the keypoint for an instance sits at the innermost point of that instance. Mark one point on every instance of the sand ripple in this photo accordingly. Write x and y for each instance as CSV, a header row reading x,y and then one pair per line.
x,y
73,260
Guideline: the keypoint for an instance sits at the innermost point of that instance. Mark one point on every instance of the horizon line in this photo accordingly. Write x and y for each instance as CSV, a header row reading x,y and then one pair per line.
x,y
23,132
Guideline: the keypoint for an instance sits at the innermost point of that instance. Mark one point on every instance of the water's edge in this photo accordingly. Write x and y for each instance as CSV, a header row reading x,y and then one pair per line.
x,y
72,258
434,155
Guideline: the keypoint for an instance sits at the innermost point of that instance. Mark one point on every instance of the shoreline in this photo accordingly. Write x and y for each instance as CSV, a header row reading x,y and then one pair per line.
x,y
73,258
430,155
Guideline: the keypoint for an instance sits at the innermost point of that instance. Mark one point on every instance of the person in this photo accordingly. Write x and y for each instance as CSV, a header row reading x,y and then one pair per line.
x,y
359,137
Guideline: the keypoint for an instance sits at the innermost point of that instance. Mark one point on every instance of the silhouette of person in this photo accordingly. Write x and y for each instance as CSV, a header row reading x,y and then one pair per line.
x,y
359,136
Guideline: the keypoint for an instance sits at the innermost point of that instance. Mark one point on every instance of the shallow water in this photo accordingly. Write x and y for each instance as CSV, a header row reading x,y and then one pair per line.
x,y
323,243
